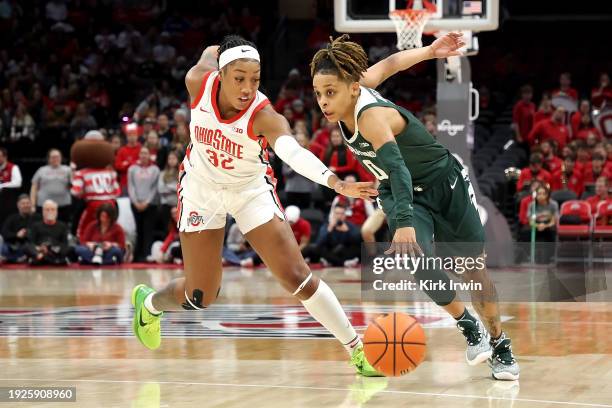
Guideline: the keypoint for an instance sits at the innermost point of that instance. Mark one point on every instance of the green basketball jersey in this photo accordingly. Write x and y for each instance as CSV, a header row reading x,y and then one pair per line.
x,y
426,159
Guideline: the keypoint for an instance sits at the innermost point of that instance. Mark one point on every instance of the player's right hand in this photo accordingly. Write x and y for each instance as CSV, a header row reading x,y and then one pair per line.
x,y
359,189
405,243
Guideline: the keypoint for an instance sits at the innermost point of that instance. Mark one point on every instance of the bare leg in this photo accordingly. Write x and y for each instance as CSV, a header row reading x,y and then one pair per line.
x,y
203,271
486,301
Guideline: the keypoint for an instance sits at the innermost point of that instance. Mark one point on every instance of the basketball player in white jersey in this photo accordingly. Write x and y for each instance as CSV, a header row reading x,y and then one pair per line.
x,y
226,171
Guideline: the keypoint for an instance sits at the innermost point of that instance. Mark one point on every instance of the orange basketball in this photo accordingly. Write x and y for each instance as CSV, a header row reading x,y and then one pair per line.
x,y
394,344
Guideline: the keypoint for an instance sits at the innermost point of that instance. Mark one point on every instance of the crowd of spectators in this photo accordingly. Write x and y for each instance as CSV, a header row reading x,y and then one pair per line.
x,y
570,158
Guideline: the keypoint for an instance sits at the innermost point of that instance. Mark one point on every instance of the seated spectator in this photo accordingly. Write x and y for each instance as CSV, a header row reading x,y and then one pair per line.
x,y
551,162
543,215
567,177
321,136
48,239
15,230
603,92
237,250
524,208
545,110
82,122
583,157
523,111
143,178
337,242
103,240
576,117
337,157
602,193
357,209
565,87
168,251
586,128
22,125
372,225
298,188
533,172
10,183
551,129
300,227
596,170
52,182
128,154
163,130
166,188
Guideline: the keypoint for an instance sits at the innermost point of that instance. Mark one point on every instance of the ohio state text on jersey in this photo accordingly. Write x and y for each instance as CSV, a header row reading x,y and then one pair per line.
x,y
224,151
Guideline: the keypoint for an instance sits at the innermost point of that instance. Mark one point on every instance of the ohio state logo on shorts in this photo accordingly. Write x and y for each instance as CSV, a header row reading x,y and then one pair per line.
x,y
195,219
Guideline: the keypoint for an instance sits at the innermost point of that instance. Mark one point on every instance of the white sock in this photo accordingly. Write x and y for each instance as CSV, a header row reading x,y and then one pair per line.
x,y
148,304
324,306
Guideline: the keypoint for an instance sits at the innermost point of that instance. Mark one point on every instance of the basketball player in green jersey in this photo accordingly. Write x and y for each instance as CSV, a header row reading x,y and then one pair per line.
x,y
424,191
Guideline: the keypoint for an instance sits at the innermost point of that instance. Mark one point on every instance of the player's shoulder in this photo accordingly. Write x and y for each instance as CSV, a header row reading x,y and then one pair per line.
x,y
266,116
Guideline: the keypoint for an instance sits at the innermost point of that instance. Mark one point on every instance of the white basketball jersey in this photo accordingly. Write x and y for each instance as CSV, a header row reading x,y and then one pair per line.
x,y
224,151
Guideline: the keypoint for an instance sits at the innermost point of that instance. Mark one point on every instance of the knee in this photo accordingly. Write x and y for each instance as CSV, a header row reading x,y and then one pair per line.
x,y
296,278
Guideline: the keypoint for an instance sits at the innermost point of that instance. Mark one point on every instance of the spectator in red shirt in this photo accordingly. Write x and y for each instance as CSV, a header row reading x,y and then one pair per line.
x,y
567,177
128,154
565,87
583,157
523,111
576,117
300,227
533,172
337,157
524,205
551,162
602,193
357,209
321,137
545,110
585,128
603,93
103,241
596,170
553,128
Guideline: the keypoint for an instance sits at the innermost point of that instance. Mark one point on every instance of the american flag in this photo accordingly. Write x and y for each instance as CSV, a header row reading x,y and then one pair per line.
x,y
472,7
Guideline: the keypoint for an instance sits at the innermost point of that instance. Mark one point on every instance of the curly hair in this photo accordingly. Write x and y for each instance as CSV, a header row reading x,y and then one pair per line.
x,y
340,57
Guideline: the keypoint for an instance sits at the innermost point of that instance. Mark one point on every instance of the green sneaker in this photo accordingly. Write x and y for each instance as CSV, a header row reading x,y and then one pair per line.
x,y
362,366
146,326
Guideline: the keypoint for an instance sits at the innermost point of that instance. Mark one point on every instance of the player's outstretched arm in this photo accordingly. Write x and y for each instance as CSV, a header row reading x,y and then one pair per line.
x,y
275,128
443,47
374,126
207,62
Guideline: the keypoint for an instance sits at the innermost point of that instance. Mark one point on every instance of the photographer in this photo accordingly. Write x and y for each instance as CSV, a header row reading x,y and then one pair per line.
x,y
337,242
48,239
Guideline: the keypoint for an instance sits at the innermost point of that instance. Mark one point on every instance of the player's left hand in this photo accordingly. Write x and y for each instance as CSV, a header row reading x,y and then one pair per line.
x,y
447,46
405,243
360,189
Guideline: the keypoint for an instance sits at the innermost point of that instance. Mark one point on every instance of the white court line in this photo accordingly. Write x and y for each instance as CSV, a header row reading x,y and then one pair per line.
x,y
299,387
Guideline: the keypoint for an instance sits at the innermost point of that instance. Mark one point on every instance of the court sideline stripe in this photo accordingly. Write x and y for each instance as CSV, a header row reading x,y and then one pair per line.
x,y
299,387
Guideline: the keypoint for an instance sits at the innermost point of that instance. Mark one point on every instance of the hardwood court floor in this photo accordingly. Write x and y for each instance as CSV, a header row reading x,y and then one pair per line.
x,y
258,347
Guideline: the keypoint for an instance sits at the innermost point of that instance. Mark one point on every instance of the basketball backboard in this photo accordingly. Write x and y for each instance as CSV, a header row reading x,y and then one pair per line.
x,y
368,16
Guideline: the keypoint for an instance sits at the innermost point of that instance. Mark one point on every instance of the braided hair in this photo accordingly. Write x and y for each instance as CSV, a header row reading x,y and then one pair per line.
x,y
231,41
341,57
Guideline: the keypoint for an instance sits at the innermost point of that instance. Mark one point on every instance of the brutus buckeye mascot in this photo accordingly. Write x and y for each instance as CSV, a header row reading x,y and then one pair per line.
x,y
94,181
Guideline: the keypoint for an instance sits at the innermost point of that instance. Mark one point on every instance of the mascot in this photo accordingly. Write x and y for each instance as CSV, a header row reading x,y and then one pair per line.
x,y
95,180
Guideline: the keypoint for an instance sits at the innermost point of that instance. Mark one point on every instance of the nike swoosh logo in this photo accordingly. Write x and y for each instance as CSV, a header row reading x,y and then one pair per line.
x,y
244,50
204,110
142,324
453,185
325,171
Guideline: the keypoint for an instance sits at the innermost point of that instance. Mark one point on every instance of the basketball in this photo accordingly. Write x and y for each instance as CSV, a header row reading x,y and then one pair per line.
x,y
394,344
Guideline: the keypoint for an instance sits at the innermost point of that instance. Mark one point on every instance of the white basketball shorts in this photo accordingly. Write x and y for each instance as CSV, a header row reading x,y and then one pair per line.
x,y
202,205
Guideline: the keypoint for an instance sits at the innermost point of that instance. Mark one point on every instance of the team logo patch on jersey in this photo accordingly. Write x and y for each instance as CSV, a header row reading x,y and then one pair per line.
x,y
364,144
217,321
195,219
